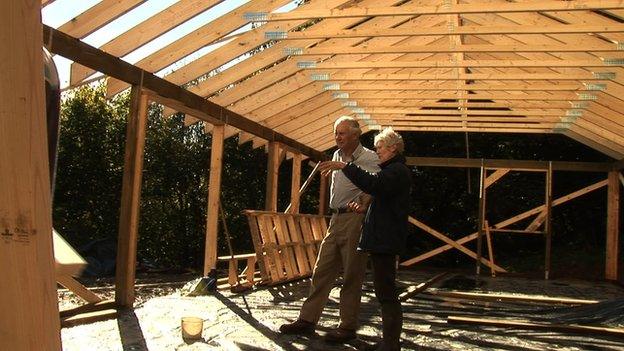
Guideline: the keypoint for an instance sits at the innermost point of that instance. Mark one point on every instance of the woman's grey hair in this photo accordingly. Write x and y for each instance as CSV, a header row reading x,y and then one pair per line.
x,y
355,126
389,138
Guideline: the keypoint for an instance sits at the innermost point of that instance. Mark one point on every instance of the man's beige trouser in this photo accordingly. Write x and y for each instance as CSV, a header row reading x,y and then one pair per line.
x,y
338,250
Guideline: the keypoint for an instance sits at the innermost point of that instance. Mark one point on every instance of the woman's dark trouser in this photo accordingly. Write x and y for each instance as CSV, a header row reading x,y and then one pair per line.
x,y
384,279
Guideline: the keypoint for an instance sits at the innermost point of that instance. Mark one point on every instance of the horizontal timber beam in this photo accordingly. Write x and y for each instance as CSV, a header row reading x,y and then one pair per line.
x,y
75,50
451,64
445,30
449,9
510,164
339,76
365,49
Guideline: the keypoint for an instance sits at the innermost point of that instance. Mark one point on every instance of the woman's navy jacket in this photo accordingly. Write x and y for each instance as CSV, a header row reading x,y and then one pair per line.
x,y
385,225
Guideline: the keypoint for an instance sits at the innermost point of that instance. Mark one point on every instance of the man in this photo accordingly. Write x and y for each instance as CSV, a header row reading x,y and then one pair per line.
x,y
339,248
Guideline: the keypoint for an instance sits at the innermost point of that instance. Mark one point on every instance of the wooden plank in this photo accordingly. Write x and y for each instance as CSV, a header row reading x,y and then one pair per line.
x,y
498,322
78,289
434,49
415,290
269,243
612,256
67,261
90,307
295,183
454,86
28,300
509,164
492,178
145,32
548,219
451,31
488,239
256,238
304,186
582,5
300,249
89,317
214,193
287,254
98,16
481,221
73,49
130,199
511,298
537,222
355,77
308,237
273,163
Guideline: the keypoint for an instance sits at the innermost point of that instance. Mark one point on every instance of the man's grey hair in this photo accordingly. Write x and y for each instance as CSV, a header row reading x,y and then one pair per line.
x,y
353,123
389,138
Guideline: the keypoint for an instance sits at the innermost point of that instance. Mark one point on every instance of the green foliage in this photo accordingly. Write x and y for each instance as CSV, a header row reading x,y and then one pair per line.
x,y
90,166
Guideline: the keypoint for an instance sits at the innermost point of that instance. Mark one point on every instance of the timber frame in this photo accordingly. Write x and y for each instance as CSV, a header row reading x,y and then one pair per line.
x,y
417,65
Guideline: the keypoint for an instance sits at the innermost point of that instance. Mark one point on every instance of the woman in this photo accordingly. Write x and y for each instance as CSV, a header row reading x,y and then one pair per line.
x,y
385,225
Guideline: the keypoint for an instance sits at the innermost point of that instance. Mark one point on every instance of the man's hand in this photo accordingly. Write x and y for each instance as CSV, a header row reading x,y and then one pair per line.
x,y
356,207
327,167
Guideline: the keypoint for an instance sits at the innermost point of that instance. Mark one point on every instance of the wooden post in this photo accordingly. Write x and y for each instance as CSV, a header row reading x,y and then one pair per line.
x,y
273,163
295,183
30,317
214,193
323,197
613,227
131,199
548,223
481,219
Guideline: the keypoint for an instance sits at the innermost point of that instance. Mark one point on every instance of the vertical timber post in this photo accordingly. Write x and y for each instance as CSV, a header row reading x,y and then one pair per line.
x,y
29,319
295,183
481,219
612,258
131,199
548,224
214,194
273,164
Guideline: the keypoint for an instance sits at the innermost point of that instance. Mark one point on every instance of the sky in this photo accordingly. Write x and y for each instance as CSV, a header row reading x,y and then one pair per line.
x,y
61,11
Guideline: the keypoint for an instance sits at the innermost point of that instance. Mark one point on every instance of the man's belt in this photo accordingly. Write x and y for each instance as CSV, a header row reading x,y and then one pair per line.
x,y
340,210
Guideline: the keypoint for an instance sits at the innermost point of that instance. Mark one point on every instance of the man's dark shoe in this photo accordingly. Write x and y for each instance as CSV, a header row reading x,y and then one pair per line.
x,y
299,327
340,335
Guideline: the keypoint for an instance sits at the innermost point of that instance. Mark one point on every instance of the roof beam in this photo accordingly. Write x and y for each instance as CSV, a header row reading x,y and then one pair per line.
x,y
73,49
450,64
445,30
512,164
454,87
98,16
444,9
466,48
530,96
340,76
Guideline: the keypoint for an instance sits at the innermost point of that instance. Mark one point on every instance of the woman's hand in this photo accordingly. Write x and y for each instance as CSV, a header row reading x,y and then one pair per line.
x,y
327,167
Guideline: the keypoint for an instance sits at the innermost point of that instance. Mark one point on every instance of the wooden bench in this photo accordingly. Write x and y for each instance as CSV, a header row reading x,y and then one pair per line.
x,y
286,244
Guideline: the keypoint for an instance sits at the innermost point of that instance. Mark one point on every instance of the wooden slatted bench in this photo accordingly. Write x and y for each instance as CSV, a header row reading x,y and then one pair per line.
x,y
286,244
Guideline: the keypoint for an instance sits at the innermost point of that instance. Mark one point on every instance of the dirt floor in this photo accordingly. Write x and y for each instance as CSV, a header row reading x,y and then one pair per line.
x,y
250,321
